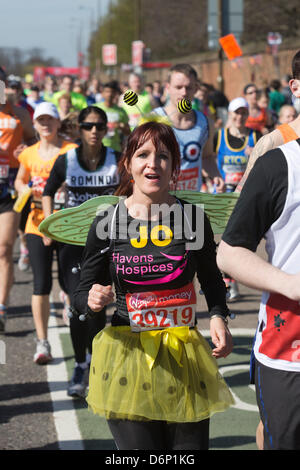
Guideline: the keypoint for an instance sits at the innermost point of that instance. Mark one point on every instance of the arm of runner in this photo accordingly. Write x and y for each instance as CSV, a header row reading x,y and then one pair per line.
x,y
257,273
214,289
221,338
209,162
56,178
29,135
99,296
94,275
22,179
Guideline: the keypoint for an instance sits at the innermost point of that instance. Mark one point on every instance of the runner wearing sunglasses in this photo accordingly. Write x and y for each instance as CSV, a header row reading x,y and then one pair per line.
x,y
85,172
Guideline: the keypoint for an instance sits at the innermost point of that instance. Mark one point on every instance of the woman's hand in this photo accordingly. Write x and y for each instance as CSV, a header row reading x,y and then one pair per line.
x,y
221,337
99,296
219,184
47,241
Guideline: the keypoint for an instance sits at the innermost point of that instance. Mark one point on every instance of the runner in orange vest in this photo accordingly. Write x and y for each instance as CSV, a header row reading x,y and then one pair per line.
x,y
16,130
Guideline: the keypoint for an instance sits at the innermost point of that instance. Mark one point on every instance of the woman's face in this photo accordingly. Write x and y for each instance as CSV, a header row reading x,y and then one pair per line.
x,y
47,126
151,169
239,117
92,130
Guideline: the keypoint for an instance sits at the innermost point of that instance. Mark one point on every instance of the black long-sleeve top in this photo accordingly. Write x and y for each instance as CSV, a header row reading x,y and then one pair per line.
x,y
151,267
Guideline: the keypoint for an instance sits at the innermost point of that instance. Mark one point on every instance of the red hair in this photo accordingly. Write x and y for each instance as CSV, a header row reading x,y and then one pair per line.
x,y
161,135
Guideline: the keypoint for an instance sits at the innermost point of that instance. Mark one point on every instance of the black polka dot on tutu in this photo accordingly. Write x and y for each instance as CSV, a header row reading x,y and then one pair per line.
x,y
123,381
202,385
171,390
105,376
94,370
146,386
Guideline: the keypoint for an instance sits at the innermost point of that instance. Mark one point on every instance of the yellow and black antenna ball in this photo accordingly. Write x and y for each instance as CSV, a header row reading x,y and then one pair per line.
x,y
130,98
184,106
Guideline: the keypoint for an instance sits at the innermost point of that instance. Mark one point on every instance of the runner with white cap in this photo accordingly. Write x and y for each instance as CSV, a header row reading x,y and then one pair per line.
x,y
36,162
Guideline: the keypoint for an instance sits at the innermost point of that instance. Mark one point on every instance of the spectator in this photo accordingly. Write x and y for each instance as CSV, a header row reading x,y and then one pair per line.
x,y
277,99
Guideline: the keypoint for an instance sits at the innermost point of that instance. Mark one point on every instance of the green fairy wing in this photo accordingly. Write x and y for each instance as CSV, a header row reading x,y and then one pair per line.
x,y
72,225
218,207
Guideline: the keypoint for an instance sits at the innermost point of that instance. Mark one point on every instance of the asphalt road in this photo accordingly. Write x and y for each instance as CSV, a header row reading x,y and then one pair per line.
x,y
26,411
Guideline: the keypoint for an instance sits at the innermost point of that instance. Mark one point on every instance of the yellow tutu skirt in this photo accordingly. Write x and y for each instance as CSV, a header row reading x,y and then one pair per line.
x,y
176,381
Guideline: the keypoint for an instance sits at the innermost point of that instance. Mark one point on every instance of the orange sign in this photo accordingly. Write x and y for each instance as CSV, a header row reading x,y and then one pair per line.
x,y
230,46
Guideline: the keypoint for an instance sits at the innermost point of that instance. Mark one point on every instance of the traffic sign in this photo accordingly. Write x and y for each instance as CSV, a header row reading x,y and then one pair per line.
x,y
274,39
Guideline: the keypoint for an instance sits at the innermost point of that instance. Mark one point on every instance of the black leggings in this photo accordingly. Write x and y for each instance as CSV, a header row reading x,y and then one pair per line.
x,y
41,259
68,257
159,435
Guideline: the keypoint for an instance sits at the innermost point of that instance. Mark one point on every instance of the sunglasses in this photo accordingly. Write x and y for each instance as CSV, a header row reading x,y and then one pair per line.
x,y
88,126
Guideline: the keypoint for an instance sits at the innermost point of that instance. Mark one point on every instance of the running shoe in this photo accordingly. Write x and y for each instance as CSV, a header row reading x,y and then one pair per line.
x,y
234,293
2,319
43,352
23,262
79,382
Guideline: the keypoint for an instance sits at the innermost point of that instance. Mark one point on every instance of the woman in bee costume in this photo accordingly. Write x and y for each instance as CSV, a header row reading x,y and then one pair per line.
x,y
153,376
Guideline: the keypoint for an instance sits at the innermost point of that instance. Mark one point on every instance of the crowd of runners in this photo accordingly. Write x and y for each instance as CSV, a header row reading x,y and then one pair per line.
x,y
73,141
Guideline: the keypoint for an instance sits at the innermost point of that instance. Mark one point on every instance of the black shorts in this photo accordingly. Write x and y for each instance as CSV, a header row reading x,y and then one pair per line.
x,y
6,204
278,398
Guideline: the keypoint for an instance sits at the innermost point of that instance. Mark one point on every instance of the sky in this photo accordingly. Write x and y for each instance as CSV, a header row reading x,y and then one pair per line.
x,y
55,26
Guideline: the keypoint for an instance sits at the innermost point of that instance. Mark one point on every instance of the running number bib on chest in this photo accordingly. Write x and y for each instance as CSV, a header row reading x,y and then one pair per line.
x,y
162,309
188,180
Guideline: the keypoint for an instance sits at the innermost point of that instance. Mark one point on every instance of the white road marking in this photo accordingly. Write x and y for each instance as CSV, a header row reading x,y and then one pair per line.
x,y
64,414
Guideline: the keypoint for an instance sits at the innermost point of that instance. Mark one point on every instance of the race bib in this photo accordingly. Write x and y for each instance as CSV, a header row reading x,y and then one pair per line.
x,y
233,178
162,309
188,180
59,198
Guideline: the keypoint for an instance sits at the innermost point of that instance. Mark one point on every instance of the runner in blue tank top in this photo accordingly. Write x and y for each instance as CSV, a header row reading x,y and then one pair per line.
x,y
233,144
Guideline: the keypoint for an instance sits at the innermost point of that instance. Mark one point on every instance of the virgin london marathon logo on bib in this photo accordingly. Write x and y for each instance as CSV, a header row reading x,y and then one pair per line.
x,y
162,309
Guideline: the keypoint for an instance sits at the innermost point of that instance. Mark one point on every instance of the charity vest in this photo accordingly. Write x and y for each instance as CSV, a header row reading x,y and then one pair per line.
x,y
11,133
191,143
39,171
277,342
82,184
232,162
